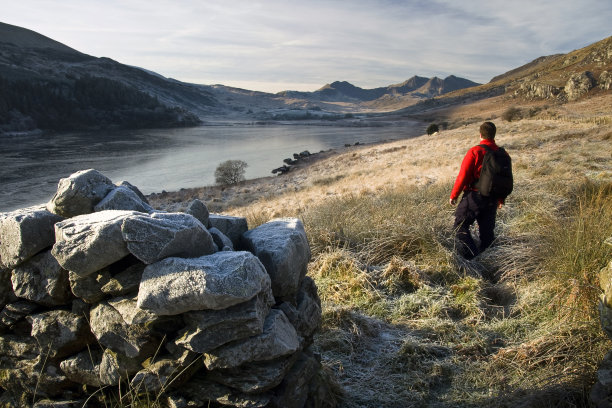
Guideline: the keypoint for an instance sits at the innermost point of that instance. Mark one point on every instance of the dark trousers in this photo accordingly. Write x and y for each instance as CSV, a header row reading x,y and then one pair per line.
x,y
474,207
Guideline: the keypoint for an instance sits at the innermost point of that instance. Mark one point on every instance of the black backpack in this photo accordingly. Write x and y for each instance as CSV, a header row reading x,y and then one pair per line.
x,y
496,174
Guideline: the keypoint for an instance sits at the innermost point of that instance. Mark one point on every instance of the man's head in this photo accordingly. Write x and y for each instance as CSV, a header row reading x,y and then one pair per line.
x,y
487,130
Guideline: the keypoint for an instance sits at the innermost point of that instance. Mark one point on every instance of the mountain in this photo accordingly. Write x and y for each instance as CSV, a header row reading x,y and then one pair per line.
x,y
417,87
47,85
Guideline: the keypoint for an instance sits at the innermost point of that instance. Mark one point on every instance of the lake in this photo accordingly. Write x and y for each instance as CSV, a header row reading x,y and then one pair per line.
x,y
166,159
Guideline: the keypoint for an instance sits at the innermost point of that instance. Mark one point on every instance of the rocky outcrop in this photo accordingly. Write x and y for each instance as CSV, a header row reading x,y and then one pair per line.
x,y
99,291
579,84
601,393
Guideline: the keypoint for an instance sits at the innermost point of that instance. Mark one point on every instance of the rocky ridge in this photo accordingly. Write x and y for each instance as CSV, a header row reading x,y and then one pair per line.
x,y
100,291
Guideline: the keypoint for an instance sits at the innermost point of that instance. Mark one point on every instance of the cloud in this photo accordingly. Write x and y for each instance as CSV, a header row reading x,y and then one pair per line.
x,y
367,42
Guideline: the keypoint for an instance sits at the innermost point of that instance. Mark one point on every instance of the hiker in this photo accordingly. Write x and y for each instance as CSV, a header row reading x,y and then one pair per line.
x,y
479,201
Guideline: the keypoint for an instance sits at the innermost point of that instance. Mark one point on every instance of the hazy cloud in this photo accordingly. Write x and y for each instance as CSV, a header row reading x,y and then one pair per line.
x,y
273,45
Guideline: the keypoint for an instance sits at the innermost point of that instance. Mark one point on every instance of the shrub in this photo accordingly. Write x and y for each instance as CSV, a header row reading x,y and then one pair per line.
x,y
433,128
511,114
230,172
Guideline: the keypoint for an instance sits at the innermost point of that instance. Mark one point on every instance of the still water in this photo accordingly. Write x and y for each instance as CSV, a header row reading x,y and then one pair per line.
x,y
165,159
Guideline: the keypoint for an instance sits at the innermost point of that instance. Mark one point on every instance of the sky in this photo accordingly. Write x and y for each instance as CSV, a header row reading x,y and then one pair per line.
x,y
276,45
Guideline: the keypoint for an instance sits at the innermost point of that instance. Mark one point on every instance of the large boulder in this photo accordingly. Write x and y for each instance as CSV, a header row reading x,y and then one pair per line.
x,y
579,84
60,333
87,243
162,235
281,245
42,280
232,227
79,193
209,329
278,339
178,285
24,233
123,198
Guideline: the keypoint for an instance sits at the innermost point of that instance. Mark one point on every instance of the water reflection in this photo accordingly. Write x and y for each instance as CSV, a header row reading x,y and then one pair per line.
x,y
156,160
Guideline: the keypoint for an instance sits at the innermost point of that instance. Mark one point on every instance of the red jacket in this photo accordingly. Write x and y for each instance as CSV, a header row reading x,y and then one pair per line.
x,y
470,168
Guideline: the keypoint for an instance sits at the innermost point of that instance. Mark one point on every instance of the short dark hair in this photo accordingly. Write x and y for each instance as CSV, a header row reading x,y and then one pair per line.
x,y
487,130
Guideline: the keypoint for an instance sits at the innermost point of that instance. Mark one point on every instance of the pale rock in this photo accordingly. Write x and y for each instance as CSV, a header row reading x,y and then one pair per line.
x,y
232,227
209,329
278,339
60,333
116,367
123,198
221,240
88,243
578,85
24,233
199,210
42,280
79,193
134,341
178,285
281,245
130,312
83,368
162,235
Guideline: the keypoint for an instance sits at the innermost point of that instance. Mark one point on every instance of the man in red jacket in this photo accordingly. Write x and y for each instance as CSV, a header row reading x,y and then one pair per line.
x,y
473,206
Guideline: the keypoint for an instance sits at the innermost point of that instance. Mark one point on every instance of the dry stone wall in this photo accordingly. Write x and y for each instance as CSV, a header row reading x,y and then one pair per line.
x,y
601,393
101,292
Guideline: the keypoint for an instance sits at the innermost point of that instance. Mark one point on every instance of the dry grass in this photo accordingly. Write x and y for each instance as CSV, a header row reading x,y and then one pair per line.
x,y
407,323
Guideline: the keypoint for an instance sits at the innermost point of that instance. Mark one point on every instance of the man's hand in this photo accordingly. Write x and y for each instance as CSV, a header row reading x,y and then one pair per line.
x,y
453,201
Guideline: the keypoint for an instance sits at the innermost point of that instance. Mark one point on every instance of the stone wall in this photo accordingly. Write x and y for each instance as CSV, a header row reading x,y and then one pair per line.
x,y
99,292
601,394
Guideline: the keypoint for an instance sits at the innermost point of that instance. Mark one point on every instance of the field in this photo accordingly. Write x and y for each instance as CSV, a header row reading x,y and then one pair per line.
x,y
406,322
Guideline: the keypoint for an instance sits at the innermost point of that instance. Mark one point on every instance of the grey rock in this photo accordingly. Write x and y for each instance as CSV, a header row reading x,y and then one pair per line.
x,y
83,368
38,377
579,84
12,313
21,347
24,233
308,309
87,243
60,333
605,80
130,312
232,227
162,235
202,391
254,377
124,282
134,189
79,193
123,198
209,329
134,341
293,391
278,339
42,280
164,374
89,288
177,285
115,367
6,288
221,240
199,210
281,245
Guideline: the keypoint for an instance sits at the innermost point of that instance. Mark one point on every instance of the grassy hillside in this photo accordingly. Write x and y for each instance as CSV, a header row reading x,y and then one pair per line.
x,y
406,321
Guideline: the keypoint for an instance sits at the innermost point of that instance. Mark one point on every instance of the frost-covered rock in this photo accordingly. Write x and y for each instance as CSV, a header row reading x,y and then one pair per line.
x,y
79,193
24,233
278,339
221,240
123,198
199,210
162,235
87,243
281,245
232,227
178,285
209,329
42,280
